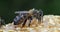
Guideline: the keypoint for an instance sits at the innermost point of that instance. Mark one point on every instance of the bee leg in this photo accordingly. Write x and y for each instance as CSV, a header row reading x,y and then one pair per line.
x,y
24,23
30,22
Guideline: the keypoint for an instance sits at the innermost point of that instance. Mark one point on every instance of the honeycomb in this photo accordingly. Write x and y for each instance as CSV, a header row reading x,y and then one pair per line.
x,y
51,23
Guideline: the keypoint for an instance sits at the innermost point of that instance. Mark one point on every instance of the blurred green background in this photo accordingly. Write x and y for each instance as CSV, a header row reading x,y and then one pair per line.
x,y
8,7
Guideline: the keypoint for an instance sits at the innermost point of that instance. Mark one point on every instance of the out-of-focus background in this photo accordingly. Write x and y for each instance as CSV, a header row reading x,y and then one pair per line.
x,y
8,7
